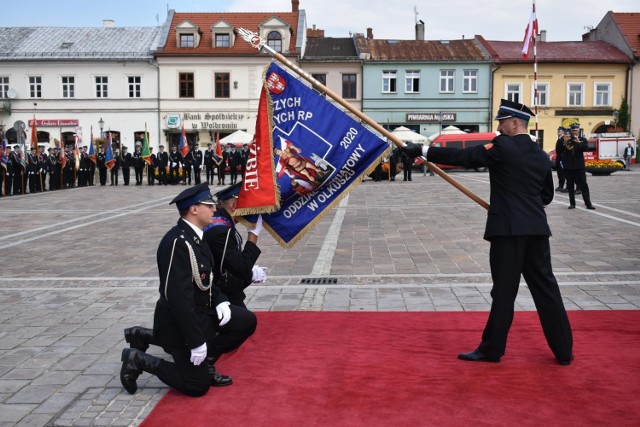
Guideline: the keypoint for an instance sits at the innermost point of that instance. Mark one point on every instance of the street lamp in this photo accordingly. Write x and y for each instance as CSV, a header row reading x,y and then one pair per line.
x,y
101,124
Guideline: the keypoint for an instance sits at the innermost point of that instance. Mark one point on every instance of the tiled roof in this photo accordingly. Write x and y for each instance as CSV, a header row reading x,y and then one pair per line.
x,y
204,21
421,50
629,24
583,51
47,43
329,47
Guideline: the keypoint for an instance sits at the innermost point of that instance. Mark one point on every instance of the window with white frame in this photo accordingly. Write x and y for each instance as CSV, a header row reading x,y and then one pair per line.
x,y
68,87
4,87
389,80
274,41
446,81
513,92
575,92
187,40
602,94
470,81
412,81
134,84
543,94
35,87
223,40
102,86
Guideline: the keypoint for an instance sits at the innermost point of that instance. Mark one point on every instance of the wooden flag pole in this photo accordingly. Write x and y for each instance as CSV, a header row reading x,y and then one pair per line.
x,y
258,43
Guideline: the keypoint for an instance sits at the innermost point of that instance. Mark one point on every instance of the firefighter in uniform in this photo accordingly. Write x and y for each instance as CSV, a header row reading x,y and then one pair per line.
x,y
208,163
193,320
235,267
196,162
151,167
521,184
138,164
162,163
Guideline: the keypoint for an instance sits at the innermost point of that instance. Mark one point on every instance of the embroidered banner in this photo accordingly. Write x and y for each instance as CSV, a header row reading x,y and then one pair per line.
x,y
320,153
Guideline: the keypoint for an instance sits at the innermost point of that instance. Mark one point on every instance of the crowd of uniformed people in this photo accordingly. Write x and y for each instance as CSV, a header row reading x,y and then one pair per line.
x,y
39,170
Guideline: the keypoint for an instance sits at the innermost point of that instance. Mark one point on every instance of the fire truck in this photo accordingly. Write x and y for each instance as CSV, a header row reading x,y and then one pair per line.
x,y
604,146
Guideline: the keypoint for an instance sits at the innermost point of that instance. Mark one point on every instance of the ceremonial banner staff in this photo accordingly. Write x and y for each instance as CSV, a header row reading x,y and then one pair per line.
x,y
260,44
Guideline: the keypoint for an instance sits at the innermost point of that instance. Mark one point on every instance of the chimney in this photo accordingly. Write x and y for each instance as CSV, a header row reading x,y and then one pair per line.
x,y
295,5
369,33
315,33
420,30
108,23
542,37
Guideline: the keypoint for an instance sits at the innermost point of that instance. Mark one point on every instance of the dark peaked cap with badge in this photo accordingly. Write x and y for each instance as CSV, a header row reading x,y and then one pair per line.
x,y
510,109
229,192
192,196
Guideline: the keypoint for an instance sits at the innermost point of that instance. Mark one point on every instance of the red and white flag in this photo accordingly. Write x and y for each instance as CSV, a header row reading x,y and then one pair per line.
x,y
529,34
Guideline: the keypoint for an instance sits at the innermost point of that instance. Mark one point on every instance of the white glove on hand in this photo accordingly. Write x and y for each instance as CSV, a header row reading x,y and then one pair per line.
x,y
258,227
224,312
259,274
174,164
198,354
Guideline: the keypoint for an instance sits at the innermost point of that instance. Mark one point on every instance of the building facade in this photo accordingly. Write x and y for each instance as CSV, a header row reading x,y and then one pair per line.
x,y
210,78
71,80
578,82
622,30
426,85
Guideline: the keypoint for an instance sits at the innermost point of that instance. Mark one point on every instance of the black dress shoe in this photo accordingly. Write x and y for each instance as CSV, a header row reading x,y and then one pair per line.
x,y
566,362
218,380
593,208
477,356
572,207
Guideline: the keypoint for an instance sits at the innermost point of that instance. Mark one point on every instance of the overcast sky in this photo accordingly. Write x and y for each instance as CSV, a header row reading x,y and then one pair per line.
x,y
390,19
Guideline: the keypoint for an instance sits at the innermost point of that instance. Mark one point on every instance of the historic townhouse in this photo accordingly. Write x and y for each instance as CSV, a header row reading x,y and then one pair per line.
x,y
578,82
210,78
73,79
425,85
335,63
622,30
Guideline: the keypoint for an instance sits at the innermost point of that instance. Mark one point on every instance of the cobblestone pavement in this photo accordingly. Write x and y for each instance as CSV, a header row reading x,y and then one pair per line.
x,y
79,266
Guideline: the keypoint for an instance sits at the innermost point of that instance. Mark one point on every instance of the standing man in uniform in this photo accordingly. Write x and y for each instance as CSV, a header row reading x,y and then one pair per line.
x,y
234,161
574,170
193,320
102,167
55,180
33,171
85,168
175,161
559,150
162,163
126,163
196,162
138,164
151,167
244,154
208,163
521,184
234,266
116,166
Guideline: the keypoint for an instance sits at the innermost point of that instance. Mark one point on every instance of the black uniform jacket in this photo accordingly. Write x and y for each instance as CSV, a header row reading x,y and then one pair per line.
x,y
520,180
181,317
236,271
572,155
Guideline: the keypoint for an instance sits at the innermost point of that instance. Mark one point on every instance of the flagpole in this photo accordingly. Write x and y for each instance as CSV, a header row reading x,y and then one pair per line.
x,y
255,41
535,71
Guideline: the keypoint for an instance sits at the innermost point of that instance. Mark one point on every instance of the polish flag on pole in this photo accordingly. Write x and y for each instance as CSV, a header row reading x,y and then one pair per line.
x,y
530,33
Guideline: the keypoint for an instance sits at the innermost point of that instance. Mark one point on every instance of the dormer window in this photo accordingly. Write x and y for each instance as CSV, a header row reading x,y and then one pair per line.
x,y
187,35
222,35
187,40
222,40
274,41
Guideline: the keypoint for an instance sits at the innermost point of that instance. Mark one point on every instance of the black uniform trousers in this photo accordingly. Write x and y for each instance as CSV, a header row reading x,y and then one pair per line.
x,y
209,174
194,380
510,256
561,175
125,175
138,172
577,177
102,171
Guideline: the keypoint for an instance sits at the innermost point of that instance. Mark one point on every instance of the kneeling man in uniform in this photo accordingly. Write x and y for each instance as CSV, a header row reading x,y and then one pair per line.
x,y
193,320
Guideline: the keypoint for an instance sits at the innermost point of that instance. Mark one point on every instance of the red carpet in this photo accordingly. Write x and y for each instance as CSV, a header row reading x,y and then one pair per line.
x,y
400,369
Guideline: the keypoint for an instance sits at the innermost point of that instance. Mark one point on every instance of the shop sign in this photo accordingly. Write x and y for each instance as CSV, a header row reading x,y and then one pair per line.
x,y
431,117
208,121
55,123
